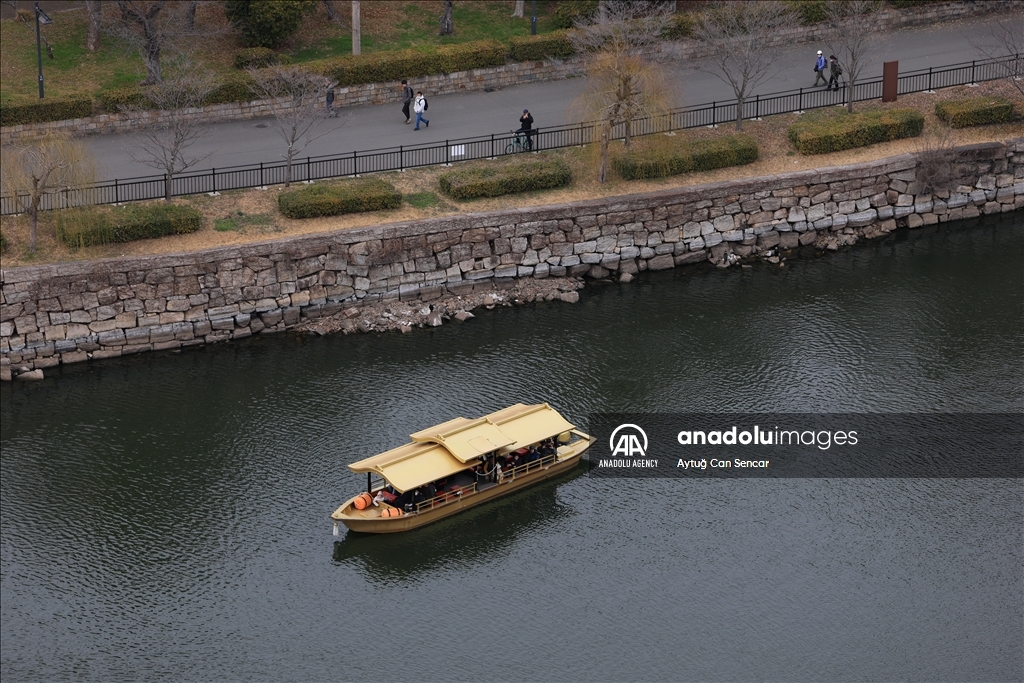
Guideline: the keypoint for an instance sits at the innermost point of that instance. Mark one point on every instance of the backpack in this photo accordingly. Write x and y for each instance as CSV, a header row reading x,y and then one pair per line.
x,y
426,105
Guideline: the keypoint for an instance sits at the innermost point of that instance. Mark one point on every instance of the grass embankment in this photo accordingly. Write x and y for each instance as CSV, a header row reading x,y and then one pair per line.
x,y
385,26
253,215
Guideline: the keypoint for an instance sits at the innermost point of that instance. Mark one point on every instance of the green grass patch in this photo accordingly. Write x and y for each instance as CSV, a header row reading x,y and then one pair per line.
x,y
348,196
823,131
422,200
660,155
101,225
976,111
506,177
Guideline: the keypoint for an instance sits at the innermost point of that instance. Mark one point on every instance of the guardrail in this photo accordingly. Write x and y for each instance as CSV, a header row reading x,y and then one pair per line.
x,y
487,147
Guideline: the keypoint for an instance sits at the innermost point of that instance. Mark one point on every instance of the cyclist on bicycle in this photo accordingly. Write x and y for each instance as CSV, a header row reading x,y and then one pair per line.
x,y
526,127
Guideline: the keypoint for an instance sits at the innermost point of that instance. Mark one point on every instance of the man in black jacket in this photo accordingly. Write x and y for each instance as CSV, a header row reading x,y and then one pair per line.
x,y
406,99
526,126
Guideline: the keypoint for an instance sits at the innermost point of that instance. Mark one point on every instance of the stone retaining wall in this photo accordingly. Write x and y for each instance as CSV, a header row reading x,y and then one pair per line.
x,y
516,73
71,312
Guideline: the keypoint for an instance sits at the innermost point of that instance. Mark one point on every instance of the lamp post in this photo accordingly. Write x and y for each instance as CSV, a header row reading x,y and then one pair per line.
x,y
41,18
533,20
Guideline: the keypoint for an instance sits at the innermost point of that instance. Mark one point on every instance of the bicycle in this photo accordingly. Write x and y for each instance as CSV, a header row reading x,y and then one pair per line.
x,y
520,143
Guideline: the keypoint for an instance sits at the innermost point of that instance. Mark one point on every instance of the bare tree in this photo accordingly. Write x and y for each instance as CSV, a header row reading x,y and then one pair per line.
x,y
27,17
52,163
296,99
332,12
447,23
166,142
1005,43
941,165
850,39
520,9
623,85
737,35
92,38
153,26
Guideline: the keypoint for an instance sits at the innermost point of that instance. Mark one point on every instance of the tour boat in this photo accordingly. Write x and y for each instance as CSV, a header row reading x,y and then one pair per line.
x,y
460,464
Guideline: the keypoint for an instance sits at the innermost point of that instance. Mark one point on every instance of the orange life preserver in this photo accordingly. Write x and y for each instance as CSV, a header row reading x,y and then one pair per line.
x,y
391,512
363,501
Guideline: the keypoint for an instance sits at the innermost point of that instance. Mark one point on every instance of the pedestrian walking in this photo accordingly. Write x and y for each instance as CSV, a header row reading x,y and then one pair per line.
x,y
819,70
330,101
406,99
419,106
836,71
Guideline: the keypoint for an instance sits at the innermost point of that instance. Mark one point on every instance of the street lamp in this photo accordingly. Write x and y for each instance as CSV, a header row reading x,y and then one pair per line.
x,y
41,18
533,21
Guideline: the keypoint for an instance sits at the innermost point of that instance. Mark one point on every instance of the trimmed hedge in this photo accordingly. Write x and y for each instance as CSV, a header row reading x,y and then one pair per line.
x,y
841,130
86,227
976,111
664,156
494,180
680,25
50,109
530,48
568,12
114,100
378,67
809,11
350,196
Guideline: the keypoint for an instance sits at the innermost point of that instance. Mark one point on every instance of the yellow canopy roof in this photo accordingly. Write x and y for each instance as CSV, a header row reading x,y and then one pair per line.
x,y
448,448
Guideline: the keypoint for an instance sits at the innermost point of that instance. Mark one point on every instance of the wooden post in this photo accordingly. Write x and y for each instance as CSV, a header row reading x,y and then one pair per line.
x,y
357,31
890,81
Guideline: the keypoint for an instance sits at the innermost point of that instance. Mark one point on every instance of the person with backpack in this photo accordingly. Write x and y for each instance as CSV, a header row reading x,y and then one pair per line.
x,y
419,106
819,70
836,71
406,99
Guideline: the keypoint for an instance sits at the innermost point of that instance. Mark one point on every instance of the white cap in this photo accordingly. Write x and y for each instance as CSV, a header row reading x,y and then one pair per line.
x,y
819,52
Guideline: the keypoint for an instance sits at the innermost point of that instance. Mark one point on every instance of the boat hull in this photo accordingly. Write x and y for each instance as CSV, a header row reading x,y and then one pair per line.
x,y
370,521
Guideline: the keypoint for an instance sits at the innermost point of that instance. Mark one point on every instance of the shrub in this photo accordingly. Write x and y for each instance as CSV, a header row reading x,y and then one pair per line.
x,y
350,196
50,109
256,58
662,156
85,227
976,111
680,25
233,88
115,99
821,133
809,11
543,46
266,24
568,12
378,67
494,180
3,243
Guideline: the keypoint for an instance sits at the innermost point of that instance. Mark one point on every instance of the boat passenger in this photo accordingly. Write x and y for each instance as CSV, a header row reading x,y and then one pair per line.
x,y
384,496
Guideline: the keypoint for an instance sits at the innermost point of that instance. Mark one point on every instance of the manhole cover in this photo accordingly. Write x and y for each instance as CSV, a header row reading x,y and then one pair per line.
x,y
261,125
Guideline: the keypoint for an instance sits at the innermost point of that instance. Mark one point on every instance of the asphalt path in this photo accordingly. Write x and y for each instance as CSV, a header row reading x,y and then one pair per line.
x,y
470,114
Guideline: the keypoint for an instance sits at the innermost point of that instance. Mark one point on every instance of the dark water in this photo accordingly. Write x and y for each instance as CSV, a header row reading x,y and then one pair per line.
x,y
165,516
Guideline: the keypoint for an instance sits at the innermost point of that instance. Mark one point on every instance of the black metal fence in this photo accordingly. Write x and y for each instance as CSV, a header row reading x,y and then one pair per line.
x,y
486,147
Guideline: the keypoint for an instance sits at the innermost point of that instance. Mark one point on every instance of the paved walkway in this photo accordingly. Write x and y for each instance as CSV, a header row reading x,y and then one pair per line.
x,y
481,113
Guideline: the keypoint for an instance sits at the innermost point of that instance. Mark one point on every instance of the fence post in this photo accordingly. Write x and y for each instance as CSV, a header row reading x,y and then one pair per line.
x,y
972,72
117,199
262,184
446,161
309,178
713,114
213,172
929,79
757,107
355,164
401,162
800,102
492,145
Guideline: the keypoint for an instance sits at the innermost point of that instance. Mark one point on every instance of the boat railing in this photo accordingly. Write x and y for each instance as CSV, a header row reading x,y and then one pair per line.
x,y
527,467
446,497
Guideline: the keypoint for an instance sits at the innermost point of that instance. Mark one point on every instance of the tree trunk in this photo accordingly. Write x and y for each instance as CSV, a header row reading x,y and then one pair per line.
x,y
288,166
153,73
357,31
332,13
520,9
33,215
447,24
190,15
167,187
92,39
739,113
849,96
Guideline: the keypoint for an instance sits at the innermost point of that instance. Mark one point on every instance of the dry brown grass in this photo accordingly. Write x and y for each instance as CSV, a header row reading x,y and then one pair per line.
x,y
777,156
